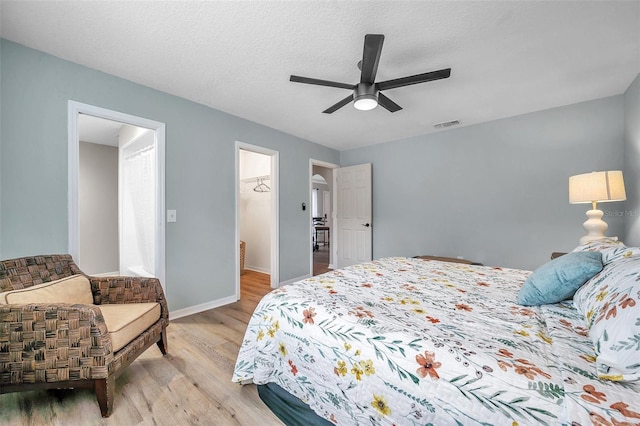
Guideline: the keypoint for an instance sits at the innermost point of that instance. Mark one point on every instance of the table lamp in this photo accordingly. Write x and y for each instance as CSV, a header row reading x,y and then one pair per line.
x,y
594,188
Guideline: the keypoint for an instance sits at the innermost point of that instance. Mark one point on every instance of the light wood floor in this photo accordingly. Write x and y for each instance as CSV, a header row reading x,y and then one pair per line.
x,y
321,260
189,386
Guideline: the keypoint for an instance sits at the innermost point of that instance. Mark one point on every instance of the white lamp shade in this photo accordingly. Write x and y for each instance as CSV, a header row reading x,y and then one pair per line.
x,y
597,187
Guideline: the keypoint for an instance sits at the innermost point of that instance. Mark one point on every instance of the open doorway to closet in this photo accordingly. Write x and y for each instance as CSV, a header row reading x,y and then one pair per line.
x,y
322,217
257,220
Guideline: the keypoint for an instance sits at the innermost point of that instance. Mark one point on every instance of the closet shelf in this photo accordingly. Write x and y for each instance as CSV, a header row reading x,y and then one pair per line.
x,y
256,178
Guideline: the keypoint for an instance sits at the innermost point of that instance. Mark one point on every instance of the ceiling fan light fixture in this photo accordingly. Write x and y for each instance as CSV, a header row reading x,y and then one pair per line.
x,y
365,102
365,97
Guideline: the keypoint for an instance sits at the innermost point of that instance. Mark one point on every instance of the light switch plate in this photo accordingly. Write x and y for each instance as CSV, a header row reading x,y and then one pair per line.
x,y
171,215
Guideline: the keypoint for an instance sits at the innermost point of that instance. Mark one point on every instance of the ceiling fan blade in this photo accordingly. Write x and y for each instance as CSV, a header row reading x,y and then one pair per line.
x,y
414,79
387,103
339,105
371,57
307,80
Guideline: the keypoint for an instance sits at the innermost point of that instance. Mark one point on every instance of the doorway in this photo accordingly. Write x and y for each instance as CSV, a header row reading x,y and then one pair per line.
x,y
256,218
322,216
116,186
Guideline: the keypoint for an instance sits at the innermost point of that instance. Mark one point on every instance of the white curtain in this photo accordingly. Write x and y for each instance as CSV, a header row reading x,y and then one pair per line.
x,y
140,187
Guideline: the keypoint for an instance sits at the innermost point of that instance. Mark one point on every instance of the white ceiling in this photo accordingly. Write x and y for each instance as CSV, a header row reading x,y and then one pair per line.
x,y
99,130
507,57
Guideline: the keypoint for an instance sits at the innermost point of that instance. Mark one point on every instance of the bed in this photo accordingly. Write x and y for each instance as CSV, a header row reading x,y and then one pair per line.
x,y
406,341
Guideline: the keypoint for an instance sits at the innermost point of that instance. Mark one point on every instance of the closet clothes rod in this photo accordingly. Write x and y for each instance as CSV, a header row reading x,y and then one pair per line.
x,y
256,179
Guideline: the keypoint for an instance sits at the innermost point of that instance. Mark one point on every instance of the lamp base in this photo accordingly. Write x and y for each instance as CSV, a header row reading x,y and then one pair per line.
x,y
594,226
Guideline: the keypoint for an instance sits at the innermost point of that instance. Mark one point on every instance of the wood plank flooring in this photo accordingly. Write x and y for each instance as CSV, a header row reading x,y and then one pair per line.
x,y
321,260
189,386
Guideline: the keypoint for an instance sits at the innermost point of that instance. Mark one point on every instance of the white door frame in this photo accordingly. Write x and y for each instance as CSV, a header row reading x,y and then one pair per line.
x,y
275,222
334,218
73,146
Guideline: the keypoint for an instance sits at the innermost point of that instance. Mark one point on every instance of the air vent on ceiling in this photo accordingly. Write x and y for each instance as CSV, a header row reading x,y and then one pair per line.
x,y
445,124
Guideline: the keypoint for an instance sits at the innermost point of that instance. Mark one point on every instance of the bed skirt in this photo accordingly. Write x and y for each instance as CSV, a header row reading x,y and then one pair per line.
x,y
288,408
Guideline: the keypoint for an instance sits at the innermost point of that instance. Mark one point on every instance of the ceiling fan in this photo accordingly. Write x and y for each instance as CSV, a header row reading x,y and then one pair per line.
x,y
367,94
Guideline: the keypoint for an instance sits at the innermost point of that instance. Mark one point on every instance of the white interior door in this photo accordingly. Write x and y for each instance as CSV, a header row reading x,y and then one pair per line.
x,y
354,215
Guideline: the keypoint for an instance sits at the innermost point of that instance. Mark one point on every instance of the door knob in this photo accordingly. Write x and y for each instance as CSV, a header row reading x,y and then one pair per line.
x,y
366,224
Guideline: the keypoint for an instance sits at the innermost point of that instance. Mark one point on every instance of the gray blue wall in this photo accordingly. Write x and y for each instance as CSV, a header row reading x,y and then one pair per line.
x,y
200,171
494,192
497,192
98,228
632,162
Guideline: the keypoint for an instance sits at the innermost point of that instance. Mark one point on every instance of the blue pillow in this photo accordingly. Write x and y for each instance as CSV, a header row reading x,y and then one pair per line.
x,y
560,278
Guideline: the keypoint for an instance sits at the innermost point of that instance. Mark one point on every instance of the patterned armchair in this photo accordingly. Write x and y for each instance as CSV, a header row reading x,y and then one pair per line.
x,y
65,345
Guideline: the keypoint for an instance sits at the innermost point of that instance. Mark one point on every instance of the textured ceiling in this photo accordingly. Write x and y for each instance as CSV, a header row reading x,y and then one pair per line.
x,y
507,57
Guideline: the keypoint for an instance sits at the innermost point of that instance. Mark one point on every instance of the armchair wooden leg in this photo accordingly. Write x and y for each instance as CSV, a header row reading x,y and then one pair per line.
x,y
163,344
104,389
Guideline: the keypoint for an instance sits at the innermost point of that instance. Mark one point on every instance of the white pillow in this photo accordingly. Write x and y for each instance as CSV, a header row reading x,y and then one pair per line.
x,y
610,248
610,302
75,289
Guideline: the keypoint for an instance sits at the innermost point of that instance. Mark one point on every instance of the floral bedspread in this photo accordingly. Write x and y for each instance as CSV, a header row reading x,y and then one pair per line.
x,y
412,342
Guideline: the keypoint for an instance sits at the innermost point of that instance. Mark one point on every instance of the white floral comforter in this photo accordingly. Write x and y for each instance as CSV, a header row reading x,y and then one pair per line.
x,y
413,342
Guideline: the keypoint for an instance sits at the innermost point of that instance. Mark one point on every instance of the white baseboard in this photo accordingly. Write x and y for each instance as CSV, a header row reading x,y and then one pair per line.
x,y
201,307
332,266
221,302
293,280
258,269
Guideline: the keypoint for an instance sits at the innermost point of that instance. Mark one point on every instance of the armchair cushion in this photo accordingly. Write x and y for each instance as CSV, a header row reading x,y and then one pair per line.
x,y
75,289
126,322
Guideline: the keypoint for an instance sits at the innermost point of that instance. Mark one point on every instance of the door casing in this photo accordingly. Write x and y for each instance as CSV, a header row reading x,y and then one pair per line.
x,y
73,146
